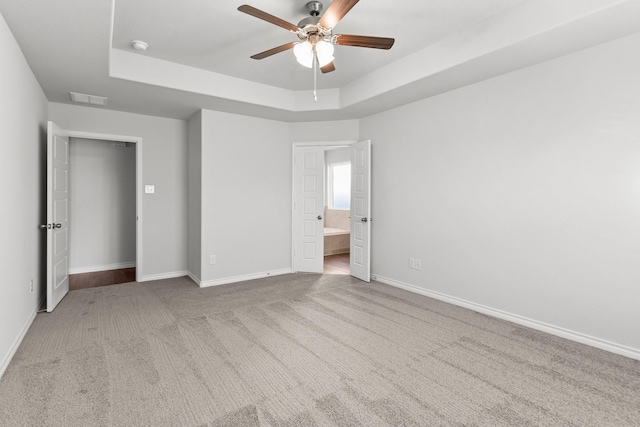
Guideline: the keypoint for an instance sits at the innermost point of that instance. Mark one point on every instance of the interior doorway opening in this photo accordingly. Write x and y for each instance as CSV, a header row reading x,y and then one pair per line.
x,y
57,207
102,212
309,208
337,206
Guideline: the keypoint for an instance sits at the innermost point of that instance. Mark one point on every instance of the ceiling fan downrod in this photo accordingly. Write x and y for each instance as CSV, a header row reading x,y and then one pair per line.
x,y
314,8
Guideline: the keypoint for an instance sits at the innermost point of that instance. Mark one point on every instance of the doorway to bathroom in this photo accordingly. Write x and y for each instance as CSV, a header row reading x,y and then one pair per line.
x,y
337,210
331,208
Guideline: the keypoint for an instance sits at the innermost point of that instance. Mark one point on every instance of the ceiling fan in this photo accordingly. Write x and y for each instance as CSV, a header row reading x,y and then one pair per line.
x,y
316,34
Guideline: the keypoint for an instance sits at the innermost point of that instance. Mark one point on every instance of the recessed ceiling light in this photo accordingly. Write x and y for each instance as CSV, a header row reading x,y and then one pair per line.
x,y
139,45
88,99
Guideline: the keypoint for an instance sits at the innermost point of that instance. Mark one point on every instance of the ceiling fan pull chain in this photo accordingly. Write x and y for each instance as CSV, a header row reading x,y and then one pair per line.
x,y
315,75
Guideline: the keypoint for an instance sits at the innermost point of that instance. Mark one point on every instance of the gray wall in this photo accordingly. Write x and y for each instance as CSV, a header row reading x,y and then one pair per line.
x,y
520,193
342,131
194,258
102,202
246,196
338,155
164,214
23,115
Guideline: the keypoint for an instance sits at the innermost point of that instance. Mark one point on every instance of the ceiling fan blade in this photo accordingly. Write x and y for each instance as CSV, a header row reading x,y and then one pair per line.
x,y
273,51
328,68
250,10
336,12
364,41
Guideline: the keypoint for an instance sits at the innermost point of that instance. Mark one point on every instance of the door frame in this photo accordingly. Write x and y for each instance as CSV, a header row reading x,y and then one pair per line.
x,y
293,177
138,143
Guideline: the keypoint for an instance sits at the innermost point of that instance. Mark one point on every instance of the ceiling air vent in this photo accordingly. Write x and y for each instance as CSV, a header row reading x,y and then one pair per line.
x,y
88,99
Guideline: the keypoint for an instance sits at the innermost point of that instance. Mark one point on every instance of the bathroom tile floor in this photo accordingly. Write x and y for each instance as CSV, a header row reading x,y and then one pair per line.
x,y
337,264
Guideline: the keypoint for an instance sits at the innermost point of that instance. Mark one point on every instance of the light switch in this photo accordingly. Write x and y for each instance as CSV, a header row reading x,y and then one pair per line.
x,y
149,189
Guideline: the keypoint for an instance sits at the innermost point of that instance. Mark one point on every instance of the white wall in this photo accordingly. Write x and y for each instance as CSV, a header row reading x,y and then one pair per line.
x,y
338,155
246,196
102,202
164,214
341,131
521,193
23,115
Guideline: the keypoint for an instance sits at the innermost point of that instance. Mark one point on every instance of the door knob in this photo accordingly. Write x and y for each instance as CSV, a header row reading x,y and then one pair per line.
x,y
319,216
364,219
45,226
58,225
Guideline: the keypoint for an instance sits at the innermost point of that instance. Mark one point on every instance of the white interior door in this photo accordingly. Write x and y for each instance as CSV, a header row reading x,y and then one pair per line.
x,y
308,209
361,210
57,226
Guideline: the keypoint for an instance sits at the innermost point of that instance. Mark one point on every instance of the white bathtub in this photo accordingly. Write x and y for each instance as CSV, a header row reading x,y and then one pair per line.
x,y
336,241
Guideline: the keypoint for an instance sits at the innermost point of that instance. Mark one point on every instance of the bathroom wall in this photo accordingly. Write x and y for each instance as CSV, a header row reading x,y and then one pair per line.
x,y
336,218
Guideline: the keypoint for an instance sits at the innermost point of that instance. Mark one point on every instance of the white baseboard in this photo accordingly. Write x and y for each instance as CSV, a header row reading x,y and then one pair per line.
x,y
171,275
194,278
105,267
235,279
612,347
12,351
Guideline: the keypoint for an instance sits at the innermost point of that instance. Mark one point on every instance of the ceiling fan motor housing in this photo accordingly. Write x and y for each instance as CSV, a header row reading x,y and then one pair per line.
x,y
309,26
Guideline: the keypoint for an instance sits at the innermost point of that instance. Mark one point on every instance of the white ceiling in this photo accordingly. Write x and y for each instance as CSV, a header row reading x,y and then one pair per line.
x,y
215,36
199,51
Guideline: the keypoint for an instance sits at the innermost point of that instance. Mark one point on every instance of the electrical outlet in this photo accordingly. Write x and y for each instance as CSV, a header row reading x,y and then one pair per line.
x,y
31,285
412,263
418,264
212,259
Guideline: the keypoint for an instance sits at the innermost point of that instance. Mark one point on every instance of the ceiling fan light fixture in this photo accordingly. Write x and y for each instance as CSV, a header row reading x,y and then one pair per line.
x,y
304,53
324,50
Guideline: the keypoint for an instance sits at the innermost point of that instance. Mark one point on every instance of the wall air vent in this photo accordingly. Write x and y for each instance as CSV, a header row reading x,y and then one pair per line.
x,y
88,99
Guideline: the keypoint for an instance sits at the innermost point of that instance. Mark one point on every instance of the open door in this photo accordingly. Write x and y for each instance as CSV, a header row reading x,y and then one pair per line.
x,y
308,209
361,210
57,226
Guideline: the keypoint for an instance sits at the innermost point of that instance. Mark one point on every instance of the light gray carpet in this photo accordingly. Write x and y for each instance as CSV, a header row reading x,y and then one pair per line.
x,y
301,350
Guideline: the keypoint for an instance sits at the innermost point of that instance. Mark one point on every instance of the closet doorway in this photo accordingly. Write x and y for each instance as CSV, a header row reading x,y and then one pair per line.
x,y
102,212
58,207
